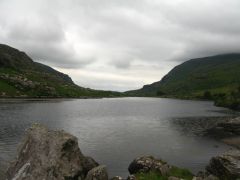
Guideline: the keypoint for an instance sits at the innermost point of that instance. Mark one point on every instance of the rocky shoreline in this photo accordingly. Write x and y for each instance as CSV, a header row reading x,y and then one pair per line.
x,y
55,155
227,131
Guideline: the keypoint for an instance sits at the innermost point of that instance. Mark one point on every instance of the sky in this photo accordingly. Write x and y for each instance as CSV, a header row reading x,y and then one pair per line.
x,y
119,44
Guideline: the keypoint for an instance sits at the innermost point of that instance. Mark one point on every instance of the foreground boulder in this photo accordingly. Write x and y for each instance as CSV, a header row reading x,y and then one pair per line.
x,y
226,166
49,155
148,163
97,173
147,167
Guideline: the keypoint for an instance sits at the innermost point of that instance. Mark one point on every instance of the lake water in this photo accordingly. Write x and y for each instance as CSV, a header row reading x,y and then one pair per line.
x,y
115,131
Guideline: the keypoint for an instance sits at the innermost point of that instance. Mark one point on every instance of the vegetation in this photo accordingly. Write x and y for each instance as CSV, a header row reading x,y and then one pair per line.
x,y
20,76
231,100
175,171
213,78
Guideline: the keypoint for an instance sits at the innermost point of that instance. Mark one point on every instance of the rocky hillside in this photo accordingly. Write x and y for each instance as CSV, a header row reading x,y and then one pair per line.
x,y
20,76
215,77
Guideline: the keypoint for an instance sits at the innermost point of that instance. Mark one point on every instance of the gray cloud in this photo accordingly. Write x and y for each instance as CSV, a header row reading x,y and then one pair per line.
x,y
122,42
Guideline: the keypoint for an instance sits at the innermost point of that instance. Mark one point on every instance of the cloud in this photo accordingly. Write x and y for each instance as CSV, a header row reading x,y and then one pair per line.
x,y
106,40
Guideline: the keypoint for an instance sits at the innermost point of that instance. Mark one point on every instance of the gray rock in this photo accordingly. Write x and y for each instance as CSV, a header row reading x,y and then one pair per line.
x,y
227,128
88,164
117,178
226,166
97,173
146,164
131,177
197,178
46,154
231,126
164,169
211,177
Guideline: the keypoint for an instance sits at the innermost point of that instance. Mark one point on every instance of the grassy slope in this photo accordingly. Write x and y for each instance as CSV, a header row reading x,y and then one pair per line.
x,y
21,77
217,75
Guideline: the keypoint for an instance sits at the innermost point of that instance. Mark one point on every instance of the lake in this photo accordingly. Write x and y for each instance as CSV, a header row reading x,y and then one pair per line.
x,y
115,131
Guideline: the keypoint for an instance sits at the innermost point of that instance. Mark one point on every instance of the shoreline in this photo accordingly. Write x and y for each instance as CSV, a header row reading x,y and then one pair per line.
x,y
226,131
38,159
123,96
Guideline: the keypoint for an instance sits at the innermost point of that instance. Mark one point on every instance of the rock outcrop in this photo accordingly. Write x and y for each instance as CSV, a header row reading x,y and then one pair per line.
x,y
50,155
226,166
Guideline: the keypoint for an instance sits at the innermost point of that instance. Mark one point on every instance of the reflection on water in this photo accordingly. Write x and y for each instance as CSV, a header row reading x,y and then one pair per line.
x,y
115,131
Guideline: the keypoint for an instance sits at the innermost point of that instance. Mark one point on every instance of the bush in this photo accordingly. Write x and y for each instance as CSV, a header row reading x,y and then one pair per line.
x,y
207,95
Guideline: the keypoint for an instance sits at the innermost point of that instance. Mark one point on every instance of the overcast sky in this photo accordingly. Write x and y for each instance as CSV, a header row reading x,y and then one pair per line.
x,y
119,44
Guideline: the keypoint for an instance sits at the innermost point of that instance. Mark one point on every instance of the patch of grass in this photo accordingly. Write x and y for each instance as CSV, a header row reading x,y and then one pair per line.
x,y
181,173
150,176
7,71
175,171
6,88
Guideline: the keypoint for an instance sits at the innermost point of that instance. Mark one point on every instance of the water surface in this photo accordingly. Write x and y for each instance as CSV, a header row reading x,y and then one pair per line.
x,y
115,131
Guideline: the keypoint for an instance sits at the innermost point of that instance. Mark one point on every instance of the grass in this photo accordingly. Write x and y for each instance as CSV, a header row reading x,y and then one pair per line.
x,y
192,79
181,173
6,88
62,88
175,171
150,176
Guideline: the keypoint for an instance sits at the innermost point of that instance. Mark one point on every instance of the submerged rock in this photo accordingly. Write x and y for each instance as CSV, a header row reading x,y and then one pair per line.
x,y
226,166
46,154
226,128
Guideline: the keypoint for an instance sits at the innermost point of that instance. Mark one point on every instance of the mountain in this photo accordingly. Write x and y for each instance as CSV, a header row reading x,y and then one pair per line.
x,y
20,76
215,77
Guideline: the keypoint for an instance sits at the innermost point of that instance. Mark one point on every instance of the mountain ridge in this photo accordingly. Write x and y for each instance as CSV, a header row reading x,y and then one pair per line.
x,y
213,78
20,76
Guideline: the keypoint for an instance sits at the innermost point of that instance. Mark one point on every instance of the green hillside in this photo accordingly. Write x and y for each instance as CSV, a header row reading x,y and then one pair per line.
x,y
20,76
215,77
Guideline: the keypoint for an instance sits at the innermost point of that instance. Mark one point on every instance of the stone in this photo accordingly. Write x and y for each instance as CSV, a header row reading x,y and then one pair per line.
x,y
117,178
211,177
225,166
227,128
131,177
97,173
46,154
197,178
164,169
88,164
146,164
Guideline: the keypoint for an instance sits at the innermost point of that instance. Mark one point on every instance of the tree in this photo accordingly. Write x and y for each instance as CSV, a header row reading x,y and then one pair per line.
x,y
160,93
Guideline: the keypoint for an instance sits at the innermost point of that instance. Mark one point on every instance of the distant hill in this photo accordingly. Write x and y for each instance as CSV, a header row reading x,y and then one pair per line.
x,y
20,76
212,77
